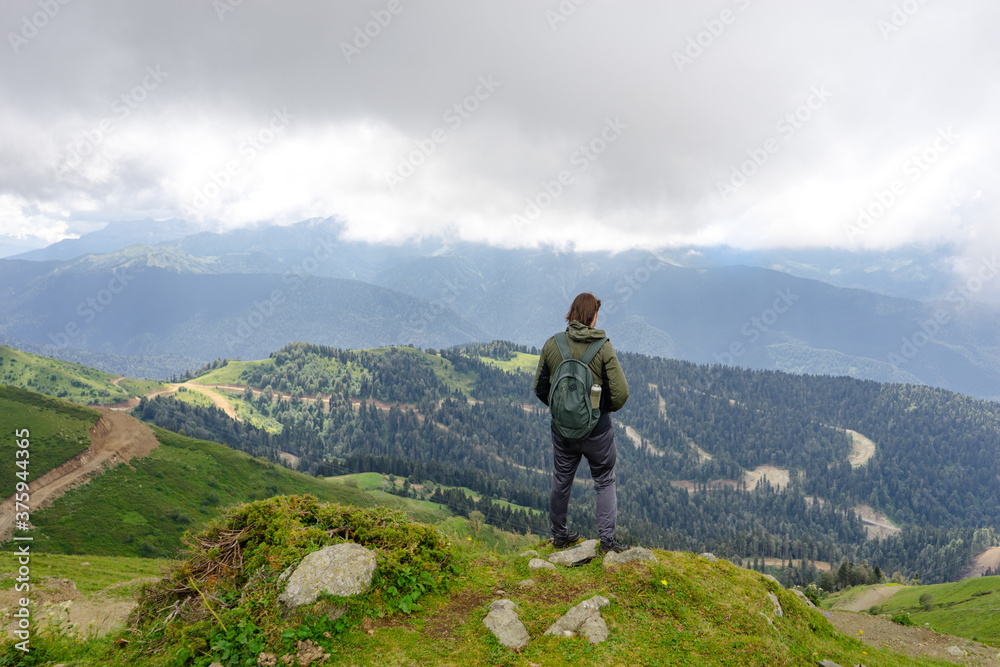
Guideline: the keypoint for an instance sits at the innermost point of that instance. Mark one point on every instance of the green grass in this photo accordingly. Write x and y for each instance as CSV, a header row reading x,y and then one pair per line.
x,y
366,481
64,379
233,372
681,610
140,387
193,397
522,362
964,608
101,573
142,509
372,482
848,594
57,431
248,413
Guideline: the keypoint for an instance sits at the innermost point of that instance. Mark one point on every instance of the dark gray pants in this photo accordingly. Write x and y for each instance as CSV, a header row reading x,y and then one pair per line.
x,y
601,455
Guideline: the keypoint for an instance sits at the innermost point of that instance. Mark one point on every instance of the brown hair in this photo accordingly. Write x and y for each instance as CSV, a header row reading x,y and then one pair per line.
x,y
584,308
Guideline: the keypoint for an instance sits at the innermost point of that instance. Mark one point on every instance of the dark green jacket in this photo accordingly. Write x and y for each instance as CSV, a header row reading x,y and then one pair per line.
x,y
604,367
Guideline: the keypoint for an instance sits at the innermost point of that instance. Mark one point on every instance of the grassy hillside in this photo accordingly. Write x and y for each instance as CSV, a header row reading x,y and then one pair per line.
x,y
522,362
965,608
89,573
57,431
142,509
64,379
242,372
680,610
234,372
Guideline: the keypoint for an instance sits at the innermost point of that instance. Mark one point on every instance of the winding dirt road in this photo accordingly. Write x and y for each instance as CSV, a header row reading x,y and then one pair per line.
x,y
115,438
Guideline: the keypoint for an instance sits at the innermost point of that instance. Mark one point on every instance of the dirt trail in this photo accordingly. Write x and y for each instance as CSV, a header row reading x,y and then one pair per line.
x,y
59,601
988,560
126,406
218,399
917,642
115,438
862,449
867,599
876,524
638,442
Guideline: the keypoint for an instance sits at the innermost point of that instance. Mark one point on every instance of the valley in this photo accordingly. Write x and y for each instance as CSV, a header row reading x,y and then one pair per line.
x,y
384,400
329,411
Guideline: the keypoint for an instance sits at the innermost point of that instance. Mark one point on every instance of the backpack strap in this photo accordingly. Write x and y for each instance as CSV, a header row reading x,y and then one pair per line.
x,y
563,344
592,351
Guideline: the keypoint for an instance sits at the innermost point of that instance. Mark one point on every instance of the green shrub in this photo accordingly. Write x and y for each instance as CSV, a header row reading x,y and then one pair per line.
x,y
902,619
223,598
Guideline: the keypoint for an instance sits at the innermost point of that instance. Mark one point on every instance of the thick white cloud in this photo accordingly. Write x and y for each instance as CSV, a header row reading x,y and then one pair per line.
x,y
611,124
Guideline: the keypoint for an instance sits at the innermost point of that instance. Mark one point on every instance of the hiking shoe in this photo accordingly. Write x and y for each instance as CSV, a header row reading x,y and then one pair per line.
x,y
571,537
615,546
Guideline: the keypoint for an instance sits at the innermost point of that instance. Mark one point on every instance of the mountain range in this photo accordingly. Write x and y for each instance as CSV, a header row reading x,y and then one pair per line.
x,y
118,296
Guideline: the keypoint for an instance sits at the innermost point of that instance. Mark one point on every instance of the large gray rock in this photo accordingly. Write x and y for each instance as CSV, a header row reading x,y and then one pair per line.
x,y
539,564
595,629
530,553
635,554
506,626
710,557
341,569
581,554
584,618
778,611
802,596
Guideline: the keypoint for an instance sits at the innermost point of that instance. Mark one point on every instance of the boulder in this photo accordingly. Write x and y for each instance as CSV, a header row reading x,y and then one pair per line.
x,y
527,583
583,618
778,611
954,651
635,554
710,557
802,596
539,564
581,554
341,569
530,553
506,626
595,629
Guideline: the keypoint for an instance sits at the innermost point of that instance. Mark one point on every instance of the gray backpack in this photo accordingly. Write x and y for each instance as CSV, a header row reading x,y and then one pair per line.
x,y
573,417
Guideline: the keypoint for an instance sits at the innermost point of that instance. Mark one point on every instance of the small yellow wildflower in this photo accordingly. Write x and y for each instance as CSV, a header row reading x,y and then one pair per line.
x,y
663,581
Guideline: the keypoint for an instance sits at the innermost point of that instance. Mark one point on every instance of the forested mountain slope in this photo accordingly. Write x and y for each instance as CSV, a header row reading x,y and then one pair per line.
x,y
457,417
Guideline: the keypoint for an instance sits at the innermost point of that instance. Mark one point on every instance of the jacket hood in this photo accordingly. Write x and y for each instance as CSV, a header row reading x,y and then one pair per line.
x,y
581,333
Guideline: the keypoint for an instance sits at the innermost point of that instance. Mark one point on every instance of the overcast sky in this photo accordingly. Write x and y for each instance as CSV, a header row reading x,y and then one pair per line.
x,y
611,124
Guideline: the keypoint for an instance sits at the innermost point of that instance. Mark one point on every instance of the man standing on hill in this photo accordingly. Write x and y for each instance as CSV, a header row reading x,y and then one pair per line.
x,y
581,404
